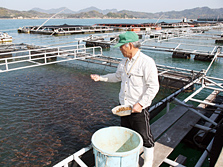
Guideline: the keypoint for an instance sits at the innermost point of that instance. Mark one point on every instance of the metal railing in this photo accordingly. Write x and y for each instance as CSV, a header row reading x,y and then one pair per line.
x,y
45,56
189,51
74,157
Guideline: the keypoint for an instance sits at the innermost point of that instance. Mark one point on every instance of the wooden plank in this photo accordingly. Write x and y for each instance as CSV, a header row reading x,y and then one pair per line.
x,y
162,124
210,98
170,139
177,132
160,153
173,136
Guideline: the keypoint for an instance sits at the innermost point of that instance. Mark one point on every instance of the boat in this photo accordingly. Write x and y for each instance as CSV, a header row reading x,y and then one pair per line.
x,y
5,37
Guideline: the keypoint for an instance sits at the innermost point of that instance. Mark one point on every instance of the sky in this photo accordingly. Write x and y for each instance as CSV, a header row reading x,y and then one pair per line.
x,y
150,6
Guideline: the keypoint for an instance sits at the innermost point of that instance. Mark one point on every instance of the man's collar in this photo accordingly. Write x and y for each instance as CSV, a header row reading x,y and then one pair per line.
x,y
135,56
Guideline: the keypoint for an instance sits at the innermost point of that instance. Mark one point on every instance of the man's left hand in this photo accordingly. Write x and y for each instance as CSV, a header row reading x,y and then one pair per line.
x,y
137,108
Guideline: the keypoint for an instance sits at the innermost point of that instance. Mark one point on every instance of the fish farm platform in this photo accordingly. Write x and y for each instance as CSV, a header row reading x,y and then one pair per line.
x,y
179,118
161,42
64,29
168,76
105,28
168,132
8,48
160,25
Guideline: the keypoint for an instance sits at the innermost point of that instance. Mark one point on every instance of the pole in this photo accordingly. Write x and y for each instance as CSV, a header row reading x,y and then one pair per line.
x,y
49,19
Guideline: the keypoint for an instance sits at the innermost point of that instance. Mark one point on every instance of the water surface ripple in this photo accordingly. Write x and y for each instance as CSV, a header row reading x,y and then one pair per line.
x,y
50,112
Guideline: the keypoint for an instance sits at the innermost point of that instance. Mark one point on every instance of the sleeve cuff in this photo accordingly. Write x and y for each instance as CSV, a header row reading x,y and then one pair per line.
x,y
103,79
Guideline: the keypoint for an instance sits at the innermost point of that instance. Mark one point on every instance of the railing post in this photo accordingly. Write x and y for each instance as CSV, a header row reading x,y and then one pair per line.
x,y
75,53
29,55
45,58
167,107
6,65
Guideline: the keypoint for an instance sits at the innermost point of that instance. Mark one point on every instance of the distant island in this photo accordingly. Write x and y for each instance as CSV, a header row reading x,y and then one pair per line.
x,y
93,12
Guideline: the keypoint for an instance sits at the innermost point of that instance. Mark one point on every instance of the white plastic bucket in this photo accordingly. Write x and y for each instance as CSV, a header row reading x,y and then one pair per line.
x,y
116,147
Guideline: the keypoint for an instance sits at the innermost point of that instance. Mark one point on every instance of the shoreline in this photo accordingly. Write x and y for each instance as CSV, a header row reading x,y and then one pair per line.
x,y
90,18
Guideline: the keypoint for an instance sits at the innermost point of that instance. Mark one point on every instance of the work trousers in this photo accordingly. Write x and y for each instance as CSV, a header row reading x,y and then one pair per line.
x,y
139,122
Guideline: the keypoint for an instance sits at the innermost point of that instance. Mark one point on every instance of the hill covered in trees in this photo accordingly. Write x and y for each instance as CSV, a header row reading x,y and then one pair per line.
x,y
92,12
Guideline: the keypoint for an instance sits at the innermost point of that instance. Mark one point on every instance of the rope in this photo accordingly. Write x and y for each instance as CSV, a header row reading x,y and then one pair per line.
x,y
49,19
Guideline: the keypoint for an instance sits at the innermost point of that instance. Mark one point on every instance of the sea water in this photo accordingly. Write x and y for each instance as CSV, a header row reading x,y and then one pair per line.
x,y
47,113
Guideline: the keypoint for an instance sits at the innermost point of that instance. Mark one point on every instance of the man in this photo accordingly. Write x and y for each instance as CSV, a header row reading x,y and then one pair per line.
x,y
139,85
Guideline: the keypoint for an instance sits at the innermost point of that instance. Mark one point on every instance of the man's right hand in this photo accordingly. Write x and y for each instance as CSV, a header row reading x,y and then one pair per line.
x,y
95,77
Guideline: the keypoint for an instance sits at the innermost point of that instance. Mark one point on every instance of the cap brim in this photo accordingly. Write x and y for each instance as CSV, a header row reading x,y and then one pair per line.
x,y
119,44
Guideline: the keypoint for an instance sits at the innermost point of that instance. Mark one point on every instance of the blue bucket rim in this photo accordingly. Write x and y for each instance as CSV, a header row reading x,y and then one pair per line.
x,y
119,154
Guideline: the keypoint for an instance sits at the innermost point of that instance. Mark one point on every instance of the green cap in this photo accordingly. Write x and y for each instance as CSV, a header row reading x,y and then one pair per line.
x,y
128,36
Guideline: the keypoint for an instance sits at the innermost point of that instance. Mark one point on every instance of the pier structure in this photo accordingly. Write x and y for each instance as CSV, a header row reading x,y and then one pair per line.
x,y
171,77
177,122
7,49
104,40
45,56
16,47
64,29
171,128
177,52
144,36
168,76
132,27
186,50
158,26
161,41
106,27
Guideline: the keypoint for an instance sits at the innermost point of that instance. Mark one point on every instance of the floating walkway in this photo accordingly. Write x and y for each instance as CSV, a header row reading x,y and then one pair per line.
x,y
45,56
37,57
186,53
105,28
64,29
8,48
158,26
168,76
162,38
106,40
170,129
